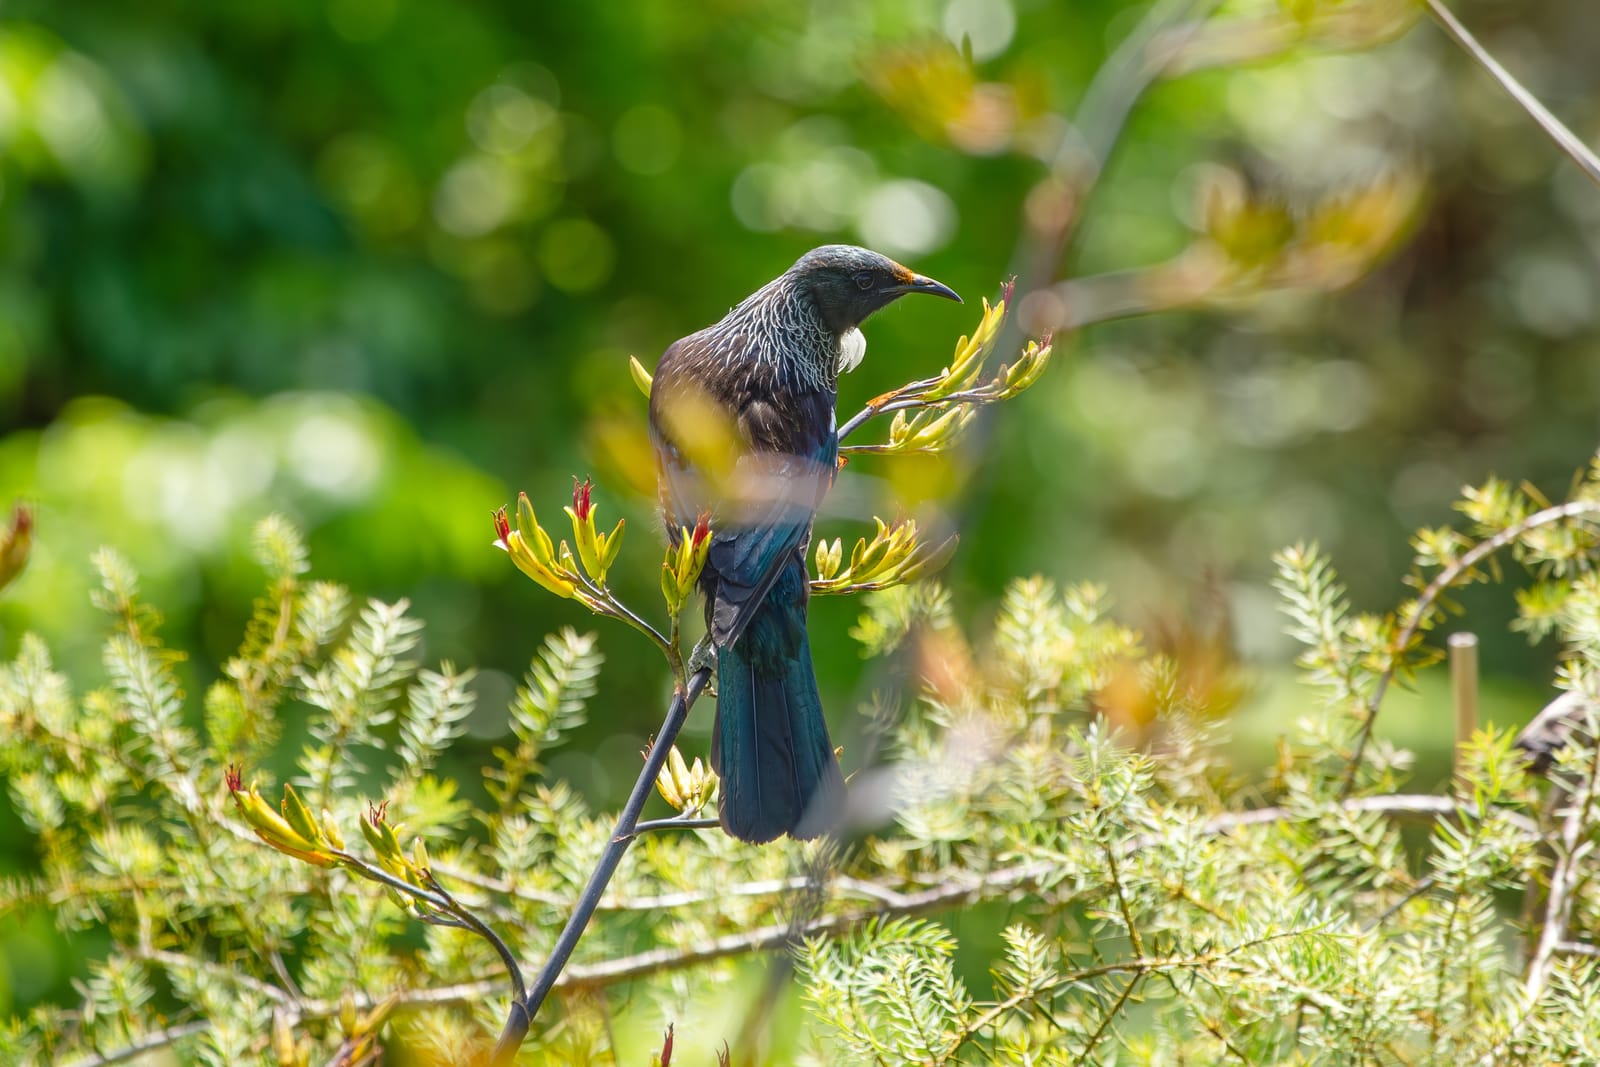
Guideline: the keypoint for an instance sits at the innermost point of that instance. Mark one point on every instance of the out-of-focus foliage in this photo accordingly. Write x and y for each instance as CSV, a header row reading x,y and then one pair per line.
x,y
16,544
180,496
1274,919
369,262
474,213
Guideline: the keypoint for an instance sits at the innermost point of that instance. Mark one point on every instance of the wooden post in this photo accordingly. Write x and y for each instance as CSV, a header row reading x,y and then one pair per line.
x,y
1464,686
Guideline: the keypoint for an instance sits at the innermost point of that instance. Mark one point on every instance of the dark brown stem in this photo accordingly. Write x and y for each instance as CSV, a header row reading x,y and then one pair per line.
x,y
678,823
955,893
451,912
523,1009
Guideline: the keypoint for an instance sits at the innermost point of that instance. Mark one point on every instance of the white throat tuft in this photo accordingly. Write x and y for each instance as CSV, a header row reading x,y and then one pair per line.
x,y
852,349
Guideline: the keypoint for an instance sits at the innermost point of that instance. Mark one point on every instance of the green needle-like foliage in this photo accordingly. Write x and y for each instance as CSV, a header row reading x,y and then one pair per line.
x,y
1156,906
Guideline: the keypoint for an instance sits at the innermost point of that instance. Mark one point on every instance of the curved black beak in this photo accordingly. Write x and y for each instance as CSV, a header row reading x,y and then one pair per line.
x,y
922,284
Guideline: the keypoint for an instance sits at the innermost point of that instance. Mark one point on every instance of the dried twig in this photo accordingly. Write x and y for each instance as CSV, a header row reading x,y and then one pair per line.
x,y
524,1008
1563,880
1422,610
1553,127
952,893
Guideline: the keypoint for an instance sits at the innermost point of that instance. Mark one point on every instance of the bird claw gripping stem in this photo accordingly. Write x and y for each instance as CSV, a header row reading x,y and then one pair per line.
x,y
704,655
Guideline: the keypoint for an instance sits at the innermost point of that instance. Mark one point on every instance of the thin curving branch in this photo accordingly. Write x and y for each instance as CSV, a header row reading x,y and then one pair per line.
x,y
841,886
1553,127
911,401
679,823
1140,60
470,921
1422,610
1578,948
451,913
524,1008
1564,877
869,411
177,961
460,993
952,893
958,892
1074,173
610,604
151,1042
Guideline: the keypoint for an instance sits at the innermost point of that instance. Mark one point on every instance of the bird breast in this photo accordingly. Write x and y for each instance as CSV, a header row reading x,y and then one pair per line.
x,y
852,349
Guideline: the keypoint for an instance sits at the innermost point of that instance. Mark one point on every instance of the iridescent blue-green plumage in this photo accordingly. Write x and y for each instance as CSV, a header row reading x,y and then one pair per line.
x,y
764,381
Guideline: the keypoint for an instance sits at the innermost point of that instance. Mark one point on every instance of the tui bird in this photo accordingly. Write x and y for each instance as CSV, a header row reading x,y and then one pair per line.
x,y
742,419
1553,728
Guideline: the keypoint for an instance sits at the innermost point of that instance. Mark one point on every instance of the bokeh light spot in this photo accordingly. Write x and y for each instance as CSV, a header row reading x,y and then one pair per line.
x,y
332,453
503,119
474,197
576,255
360,20
75,111
1552,294
1344,394
647,139
906,217
816,183
753,200
502,274
366,175
988,24
247,461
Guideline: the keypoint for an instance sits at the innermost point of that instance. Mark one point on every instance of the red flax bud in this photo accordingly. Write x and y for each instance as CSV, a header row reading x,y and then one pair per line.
x,y
377,813
502,527
582,505
666,1048
1007,289
15,544
234,776
702,529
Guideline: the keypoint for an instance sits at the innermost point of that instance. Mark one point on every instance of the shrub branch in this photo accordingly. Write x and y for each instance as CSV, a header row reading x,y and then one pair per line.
x,y
1553,127
1422,611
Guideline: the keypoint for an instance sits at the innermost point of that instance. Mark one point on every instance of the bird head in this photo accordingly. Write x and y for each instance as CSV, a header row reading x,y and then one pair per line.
x,y
850,283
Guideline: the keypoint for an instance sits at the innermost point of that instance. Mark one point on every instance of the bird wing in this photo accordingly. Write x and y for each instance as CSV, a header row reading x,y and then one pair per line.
x,y
776,497
784,453
692,428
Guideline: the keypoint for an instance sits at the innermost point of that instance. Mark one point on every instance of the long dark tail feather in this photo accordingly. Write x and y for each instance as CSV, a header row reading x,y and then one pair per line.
x,y
770,745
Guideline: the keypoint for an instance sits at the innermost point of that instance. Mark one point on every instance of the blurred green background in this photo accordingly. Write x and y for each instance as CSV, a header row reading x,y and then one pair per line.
x,y
378,264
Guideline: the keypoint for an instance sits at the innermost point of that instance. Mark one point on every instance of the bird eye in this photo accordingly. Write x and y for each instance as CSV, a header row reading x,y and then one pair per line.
x,y
864,279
